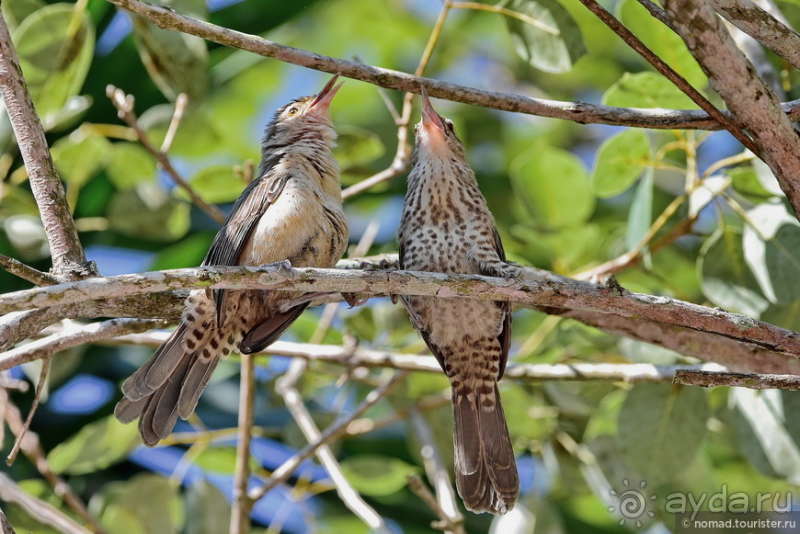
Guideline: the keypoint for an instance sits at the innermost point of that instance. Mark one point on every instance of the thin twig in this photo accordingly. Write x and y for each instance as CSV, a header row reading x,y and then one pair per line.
x,y
444,523
124,104
450,517
41,511
41,385
5,526
401,81
240,516
333,432
661,66
69,260
32,448
26,272
175,122
708,379
527,19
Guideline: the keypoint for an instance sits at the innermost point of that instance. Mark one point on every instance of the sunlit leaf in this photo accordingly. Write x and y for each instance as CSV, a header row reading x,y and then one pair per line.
x,y
15,11
640,215
725,278
646,90
177,62
161,220
208,511
55,46
661,427
97,446
375,475
146,501
745,180
549,179
216,184
357,146
551,41
187,253
620,161
130,164
80,155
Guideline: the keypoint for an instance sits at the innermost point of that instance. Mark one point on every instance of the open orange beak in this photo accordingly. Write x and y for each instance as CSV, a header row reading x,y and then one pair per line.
x,y
324,98
430,119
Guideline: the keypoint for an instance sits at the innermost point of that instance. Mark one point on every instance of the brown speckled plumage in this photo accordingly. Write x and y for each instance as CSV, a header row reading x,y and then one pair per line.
x,y
447,227
292,210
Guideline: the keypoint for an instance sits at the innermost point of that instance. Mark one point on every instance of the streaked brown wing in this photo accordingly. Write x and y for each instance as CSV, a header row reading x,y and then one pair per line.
x,y
505,334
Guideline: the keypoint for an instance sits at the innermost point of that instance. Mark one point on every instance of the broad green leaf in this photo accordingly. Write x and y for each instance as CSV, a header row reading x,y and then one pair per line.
x,y
771,251
646,90
75,108
783,315
663,41
766,178
146,501
661,428
208,511
156,220
375,475
130,164
357,146
15,11
725,278
186,253
549,179
528,416
55,46
216,185
551,41
177,62
80,155
620,161
745,180
640,215
759,421
220,459
97,446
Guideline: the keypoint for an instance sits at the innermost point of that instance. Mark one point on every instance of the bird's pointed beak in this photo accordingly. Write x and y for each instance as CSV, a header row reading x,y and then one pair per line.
x,y
324,98
433,128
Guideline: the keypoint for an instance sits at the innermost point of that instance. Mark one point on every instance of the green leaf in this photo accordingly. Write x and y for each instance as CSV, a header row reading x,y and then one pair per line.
x,y
550,179
177,62
130,164
97,446
55,46
146,503
15,11
208,511
362,324
661,428
80,156
725,278
766,178
663,41
158,219
216,184
375,475
772,251
646,90
219,459
187,253
745,180
620,161
356,147
641,352
640,215
554,43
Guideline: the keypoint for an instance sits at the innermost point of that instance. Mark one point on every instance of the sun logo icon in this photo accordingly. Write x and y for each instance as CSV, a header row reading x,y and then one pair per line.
x,y
633,504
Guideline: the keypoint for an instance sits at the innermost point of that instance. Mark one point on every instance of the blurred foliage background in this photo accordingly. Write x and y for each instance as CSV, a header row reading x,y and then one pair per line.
x,y
567,197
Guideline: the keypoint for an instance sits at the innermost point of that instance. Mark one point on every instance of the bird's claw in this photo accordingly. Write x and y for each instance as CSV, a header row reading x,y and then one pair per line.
x,y
353,299
283,266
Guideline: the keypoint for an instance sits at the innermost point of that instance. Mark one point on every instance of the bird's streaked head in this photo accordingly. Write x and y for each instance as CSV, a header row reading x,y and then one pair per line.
x,y
304,119
435,134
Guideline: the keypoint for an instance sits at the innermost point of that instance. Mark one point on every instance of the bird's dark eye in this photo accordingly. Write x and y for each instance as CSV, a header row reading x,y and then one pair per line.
x,y
292,111
449,124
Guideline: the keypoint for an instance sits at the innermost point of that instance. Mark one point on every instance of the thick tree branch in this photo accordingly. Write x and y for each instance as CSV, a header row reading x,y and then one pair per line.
x,y
553,292
392,79
69,261
719,378
753,105
763,27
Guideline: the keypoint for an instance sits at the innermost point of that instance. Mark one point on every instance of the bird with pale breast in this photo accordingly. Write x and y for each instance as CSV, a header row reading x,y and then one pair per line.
x,y
447,227
291,211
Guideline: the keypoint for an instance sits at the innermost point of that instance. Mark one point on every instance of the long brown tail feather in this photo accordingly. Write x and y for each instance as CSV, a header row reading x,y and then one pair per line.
x,y
486,471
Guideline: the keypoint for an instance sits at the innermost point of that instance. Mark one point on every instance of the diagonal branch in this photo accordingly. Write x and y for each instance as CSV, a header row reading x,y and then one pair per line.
x,y
401,81
762,26
26,272
38,509
661,66
751,102
69,260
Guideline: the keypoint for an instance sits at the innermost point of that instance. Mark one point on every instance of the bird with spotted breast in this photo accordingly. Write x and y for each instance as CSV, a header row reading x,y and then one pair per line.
x,y
291,211
447,227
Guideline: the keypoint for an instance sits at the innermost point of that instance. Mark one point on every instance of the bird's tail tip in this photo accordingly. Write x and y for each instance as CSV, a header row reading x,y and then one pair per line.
x,y
486,470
